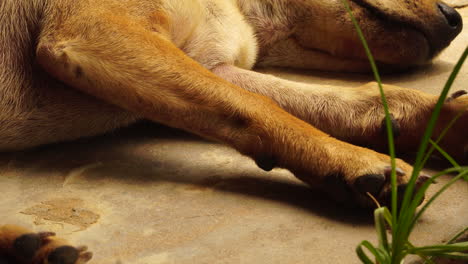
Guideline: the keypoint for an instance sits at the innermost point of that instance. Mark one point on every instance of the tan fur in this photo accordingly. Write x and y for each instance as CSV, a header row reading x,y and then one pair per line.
x,y
72,69
77,68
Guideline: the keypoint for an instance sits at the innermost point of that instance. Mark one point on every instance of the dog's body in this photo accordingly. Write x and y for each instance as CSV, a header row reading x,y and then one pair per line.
x,y
141,56
77,68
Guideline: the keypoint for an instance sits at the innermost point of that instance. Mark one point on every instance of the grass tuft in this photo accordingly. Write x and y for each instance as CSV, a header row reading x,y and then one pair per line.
x,y
402,220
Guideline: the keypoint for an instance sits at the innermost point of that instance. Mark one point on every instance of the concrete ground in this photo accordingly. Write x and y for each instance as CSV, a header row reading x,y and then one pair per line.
x,y
150,194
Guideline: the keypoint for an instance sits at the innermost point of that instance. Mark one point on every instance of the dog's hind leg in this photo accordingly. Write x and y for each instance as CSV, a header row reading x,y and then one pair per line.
x,y
42,112
356,115
128,65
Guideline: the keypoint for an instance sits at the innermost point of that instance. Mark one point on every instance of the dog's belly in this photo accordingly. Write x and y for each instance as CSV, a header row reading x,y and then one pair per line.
x,y
212,32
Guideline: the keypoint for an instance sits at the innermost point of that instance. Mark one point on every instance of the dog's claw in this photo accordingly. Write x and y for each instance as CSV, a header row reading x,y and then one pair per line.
x,y
456,94
422,179
370,183
399,171
395,126
82,248
45,235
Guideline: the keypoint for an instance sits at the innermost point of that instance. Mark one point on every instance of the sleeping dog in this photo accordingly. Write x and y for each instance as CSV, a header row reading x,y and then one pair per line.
x,y
79,68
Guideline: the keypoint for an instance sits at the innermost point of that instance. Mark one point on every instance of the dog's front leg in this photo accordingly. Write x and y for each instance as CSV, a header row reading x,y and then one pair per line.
x,y
125,64
356,115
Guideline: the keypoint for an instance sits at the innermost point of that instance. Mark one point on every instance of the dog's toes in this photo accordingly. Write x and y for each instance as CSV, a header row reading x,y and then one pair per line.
x,y
370,183
63,255
26,246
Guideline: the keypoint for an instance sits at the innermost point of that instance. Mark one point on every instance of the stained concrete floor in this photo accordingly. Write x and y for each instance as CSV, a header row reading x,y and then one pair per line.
x,y
150,194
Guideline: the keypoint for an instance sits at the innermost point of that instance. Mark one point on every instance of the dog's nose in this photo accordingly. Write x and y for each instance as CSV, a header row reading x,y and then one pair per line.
x,y
449,25
454,19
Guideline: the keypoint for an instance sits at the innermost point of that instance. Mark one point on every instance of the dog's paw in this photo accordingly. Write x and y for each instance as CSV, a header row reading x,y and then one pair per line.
x,y
455,142
409,130
363,179
410,113
19,245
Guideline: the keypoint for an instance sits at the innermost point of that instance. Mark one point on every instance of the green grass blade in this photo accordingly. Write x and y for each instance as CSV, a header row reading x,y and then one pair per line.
x,y
362,255
422,190
442,135
445,154
379,218
406,220
418,165
388,216
453,255
381,256
453,239
457,235
388,122
437,194
437,249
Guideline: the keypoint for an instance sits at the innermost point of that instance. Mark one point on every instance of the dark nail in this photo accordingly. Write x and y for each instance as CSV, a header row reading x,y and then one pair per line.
x,y
266,163
370,183
422,179
456,94
388,171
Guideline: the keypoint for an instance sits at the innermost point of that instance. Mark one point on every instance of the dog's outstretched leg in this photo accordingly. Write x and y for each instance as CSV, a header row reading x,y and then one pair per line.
x,y
21,246
356,114
128,65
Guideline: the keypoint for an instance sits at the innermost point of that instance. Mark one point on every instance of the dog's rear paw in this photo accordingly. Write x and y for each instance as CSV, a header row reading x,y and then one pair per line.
x,y
19,245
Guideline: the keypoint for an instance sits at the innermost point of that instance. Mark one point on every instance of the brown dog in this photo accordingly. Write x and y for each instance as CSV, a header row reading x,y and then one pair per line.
x,y
77,68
